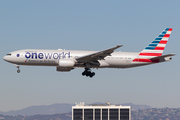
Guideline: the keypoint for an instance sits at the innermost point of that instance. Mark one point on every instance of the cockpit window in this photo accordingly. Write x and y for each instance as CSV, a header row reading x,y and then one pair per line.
x,y
9,54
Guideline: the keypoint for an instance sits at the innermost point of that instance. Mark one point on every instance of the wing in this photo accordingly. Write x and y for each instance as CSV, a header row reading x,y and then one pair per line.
x,y
163,56
98,55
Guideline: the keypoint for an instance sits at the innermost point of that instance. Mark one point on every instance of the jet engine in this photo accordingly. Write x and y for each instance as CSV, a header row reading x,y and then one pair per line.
x,y
65,65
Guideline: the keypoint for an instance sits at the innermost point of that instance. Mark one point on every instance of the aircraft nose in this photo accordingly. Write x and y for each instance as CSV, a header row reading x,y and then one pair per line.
x,y
6,58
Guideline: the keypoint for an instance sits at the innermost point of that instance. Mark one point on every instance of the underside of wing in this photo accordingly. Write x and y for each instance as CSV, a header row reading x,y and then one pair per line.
x,y
98,55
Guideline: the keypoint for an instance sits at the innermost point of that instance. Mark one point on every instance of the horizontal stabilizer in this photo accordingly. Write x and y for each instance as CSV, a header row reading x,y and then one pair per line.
x,y
163,56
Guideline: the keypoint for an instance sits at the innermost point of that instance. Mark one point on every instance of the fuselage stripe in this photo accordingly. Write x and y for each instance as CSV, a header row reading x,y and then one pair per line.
x,y
145,60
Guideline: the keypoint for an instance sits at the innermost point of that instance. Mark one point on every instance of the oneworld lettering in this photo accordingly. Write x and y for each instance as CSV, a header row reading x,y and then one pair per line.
x,y
34,55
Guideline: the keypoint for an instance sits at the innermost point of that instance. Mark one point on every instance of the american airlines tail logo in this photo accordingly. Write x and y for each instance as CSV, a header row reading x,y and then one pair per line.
x,y
35,55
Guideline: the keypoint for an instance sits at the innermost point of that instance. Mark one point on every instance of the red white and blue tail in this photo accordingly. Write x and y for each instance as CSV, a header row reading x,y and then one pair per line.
x,y
156,47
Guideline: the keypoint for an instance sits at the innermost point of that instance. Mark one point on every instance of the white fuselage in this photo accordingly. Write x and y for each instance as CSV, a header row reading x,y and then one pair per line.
x,y
39,57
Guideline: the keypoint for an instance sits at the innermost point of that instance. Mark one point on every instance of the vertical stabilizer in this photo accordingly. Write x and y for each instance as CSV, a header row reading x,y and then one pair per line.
x,y
156,47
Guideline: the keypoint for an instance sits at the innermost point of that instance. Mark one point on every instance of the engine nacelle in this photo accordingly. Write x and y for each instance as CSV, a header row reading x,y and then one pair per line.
x,y
66,63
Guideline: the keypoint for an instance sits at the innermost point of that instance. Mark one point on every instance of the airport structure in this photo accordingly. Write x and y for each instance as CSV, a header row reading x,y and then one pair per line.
x,y
101,112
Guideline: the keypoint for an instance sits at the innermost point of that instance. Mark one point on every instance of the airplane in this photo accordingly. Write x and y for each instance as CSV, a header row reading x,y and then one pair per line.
x,y
67,60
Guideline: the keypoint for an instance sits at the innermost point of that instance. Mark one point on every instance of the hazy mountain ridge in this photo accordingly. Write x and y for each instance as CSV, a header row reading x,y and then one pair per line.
x,y
136,107
147,114
42,109
60,108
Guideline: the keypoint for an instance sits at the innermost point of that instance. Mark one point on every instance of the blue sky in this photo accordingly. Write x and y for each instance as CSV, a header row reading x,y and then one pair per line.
x,y
88,25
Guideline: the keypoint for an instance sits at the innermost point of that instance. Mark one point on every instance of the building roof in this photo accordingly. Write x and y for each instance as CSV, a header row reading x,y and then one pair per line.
x,y
107,105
